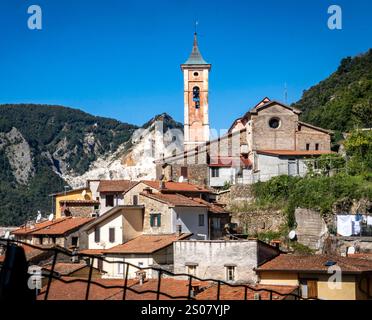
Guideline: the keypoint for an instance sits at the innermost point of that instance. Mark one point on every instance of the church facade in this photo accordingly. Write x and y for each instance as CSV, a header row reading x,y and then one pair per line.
x,y
269,140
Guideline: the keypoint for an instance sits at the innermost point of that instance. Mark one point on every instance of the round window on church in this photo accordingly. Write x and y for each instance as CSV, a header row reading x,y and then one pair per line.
x,y
196,74
274,123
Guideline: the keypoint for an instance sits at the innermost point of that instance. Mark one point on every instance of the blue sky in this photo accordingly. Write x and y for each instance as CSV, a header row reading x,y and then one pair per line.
x,y
121,59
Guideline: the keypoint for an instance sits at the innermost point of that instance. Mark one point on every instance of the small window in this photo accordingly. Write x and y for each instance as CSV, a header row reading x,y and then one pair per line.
x,y
97,235
230,273
74,241
191,270
317,146
135,200
109,200
201,220
196,74
184,172
215,172
307,146
120,267
155,220
112,235
274,123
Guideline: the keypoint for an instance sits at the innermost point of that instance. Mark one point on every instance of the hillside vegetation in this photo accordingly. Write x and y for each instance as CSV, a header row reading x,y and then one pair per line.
x,y
343,101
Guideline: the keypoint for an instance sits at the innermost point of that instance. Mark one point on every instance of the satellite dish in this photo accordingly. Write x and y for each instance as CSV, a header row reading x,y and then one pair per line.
x,y
84,193
7,234
292,234
351,250
38,218
50,217
180,179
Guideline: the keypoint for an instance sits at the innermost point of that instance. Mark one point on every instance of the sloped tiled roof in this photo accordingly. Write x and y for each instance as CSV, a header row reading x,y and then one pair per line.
x,y
195,56
212,207
171,186
62,227
27,229
315,263
295,152
147,243
77,290
66,269
173,200
115,185
238,293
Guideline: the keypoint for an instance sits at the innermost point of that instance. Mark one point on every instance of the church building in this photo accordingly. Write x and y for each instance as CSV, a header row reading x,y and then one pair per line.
x,y
269,140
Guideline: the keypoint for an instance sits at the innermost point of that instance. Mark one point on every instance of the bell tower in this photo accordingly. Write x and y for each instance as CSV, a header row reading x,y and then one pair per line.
x,y
196,119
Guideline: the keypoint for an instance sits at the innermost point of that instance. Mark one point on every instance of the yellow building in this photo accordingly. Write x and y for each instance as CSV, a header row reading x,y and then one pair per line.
x,y
320,276
77,202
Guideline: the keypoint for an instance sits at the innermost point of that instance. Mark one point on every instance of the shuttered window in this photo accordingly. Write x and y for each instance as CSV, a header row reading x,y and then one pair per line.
x,y
112,235
155,220
135,200
97,235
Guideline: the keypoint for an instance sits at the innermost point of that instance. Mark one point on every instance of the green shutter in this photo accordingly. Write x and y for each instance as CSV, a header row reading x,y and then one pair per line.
x,y
151,220
159,220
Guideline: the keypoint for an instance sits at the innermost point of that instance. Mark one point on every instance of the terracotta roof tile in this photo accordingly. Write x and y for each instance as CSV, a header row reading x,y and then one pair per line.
x,y
116,185
91,251
147,243
315,263
294,152
77,290
238,293
212,207
63,226
230,162
66,269
171,186
175,200
37,226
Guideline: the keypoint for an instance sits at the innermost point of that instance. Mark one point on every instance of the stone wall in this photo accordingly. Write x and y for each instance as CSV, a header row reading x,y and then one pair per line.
x,y
311,228
237,194
212,257
153,206
260,221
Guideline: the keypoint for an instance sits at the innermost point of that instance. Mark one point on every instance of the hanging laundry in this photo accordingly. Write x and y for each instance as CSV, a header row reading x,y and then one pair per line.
x,y
344,225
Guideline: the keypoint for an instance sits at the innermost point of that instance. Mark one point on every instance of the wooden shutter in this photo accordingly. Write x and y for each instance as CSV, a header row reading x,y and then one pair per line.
x,y
312,288
109,200
135,200
97,235
159,220
112,235
151,220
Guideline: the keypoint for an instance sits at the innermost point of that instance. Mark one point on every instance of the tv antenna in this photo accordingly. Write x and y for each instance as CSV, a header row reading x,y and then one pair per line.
x,y
38,217
285,93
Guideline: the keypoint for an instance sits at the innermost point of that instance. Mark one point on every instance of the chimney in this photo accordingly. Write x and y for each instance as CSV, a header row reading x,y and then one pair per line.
x,y
161,185
257,296
141,276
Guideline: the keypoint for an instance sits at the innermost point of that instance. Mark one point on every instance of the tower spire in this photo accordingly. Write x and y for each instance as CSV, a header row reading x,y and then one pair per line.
x,y
195,56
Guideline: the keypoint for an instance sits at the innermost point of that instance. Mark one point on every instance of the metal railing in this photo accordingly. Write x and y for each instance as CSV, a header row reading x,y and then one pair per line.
x,y
126,286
